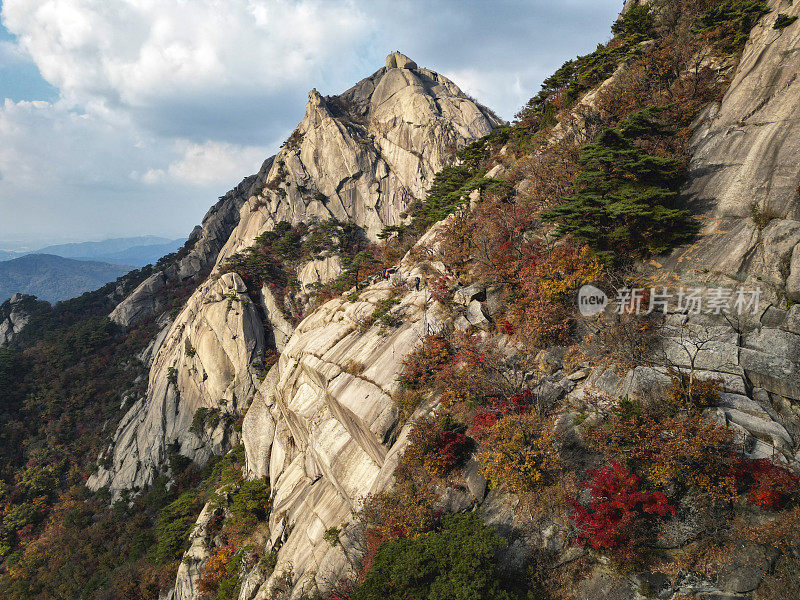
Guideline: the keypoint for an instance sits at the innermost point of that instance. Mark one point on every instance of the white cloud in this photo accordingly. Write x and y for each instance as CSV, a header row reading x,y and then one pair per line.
x,y
76,172
208,163
138,52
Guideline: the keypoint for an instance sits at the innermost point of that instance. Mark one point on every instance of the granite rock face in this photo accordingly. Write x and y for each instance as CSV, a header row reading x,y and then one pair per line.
x,y
362,157
205,361
13,317
323,426
744,159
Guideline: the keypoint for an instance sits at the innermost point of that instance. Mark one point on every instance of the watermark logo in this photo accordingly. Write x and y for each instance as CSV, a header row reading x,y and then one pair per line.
x,y
591,301
646,301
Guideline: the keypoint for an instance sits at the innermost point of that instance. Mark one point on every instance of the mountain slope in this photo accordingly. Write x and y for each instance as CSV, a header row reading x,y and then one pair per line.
x,y
53,278
620,455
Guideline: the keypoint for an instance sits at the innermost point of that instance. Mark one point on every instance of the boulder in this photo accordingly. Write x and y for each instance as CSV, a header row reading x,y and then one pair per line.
x,y
792,322
777,374
14,316
764,428
396,60
465,295
793,280
494,301
476,483
743,404
774,341
745,570
319,271
476,316
605,586
645,383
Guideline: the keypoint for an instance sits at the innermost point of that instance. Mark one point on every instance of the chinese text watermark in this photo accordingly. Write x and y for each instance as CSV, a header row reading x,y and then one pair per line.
x,y
710,301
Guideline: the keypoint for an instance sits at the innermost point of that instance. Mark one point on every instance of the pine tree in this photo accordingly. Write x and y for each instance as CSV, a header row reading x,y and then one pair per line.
x,y
625,200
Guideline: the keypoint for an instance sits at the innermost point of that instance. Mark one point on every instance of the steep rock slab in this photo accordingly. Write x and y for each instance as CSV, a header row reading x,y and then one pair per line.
x,y
744,153
204,362
323,425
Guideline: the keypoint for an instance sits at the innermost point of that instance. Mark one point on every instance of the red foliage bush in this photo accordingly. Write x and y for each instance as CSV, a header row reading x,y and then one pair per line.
x,y
496,408
440,289
422,365
436,448
345,588
770,484
612,519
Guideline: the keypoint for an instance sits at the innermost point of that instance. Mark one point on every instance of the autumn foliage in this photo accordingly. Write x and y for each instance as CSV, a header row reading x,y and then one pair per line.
x,y
687,451
519,451
769,484
495,408
436,447
613,518
215,570
542,312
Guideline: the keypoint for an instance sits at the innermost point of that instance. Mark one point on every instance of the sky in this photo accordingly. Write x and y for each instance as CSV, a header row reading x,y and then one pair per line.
x,y
130,117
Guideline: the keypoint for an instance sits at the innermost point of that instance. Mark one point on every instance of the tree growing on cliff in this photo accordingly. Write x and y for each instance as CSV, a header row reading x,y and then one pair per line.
x,y
625,200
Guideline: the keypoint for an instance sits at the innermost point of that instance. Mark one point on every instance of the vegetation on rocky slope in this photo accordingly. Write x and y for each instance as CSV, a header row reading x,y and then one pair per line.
x,y
611,188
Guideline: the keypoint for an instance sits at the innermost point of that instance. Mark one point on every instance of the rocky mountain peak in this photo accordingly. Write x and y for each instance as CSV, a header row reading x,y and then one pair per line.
x,y
363,157
397,60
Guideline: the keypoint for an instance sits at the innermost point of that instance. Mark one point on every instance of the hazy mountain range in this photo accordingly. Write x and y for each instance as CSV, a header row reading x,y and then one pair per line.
x,y
64,271
53,278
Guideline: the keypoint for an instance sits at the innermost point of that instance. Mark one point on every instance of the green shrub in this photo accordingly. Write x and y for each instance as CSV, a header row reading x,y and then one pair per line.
x,y
783,21
205,418
458,562
331,535
451,189
636,24
268,562
250,503
728,24
175,523
382,315
625,200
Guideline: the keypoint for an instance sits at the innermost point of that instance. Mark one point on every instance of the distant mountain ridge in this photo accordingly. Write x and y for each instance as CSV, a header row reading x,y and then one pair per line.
x,y
135,251
53,278
10,254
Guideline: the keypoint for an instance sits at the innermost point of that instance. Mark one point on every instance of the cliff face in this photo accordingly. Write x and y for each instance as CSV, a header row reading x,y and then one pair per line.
x,y
744,162
362,157
14,315
204,361
323,426
324,430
